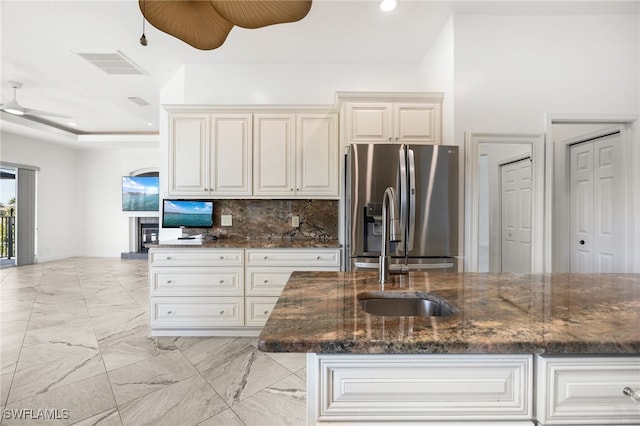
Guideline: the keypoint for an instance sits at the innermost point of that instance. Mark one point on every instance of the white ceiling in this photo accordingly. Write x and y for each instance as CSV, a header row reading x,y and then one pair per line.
x,y
39,39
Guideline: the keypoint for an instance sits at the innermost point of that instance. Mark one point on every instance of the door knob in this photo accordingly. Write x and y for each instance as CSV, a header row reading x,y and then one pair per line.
x,y
581,242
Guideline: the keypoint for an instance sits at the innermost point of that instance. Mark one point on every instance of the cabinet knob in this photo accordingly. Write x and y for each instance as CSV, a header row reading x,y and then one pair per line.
x,y
169,281
581,242
221,257
169,312
266,281
266,257
266,312
389,139
318,258
221,281
297,189
633,394
169,257
221,312
291,189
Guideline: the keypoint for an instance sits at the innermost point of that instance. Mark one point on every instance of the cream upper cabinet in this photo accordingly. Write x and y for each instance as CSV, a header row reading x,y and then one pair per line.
x,y
317,155
396,122
274,154
188,154
295,155
210,154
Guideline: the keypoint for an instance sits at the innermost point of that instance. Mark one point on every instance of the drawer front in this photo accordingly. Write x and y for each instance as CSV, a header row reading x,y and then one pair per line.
x,y
390,388
587,390
269,281
297,257
197,311
196,257
197,281
258,309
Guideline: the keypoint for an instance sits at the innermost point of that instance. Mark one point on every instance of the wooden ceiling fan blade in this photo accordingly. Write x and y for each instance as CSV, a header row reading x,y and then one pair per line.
x,y
260,13
197,23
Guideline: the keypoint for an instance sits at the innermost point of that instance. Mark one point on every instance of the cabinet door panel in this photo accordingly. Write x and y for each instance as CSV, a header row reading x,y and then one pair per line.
x,y
587,390
258,309
231,154
417,123
368,122
188,165
198,281
196,311
273,154
317,155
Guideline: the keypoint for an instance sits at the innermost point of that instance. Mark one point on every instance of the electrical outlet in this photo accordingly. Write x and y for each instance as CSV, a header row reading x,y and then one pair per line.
x,y
226,220
295,221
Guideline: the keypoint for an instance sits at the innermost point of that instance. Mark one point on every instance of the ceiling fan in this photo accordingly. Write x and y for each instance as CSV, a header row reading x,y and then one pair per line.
x,y
13,107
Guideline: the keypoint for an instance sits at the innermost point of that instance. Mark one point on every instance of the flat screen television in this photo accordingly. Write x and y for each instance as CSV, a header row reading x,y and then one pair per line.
x,y
187,213
140,193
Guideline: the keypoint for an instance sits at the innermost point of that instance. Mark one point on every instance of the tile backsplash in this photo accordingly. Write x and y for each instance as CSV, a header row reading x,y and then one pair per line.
x,y
272,219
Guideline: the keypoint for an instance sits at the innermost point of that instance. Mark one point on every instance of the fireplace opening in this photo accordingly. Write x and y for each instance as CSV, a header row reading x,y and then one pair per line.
x,y
148,233
142,231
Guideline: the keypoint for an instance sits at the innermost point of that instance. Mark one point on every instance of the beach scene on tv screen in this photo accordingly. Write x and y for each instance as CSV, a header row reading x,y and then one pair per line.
x,y
140,193
187,213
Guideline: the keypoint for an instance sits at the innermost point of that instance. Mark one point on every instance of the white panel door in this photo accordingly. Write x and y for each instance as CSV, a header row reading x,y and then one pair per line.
x,y
417,123
368,122
595,206
231,154
273,170
516,216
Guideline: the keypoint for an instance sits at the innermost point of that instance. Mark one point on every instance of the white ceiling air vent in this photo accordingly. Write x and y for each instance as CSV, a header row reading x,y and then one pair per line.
x,y
115,63
138,101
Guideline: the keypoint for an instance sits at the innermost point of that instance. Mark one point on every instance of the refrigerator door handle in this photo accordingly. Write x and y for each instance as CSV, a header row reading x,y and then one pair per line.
x,y
412,199
404,198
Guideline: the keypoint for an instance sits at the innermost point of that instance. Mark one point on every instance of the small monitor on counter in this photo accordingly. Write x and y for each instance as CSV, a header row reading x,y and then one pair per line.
x,y
187,213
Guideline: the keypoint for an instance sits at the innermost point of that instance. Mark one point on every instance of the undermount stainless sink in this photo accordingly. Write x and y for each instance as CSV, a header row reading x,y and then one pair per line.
x,y
405,303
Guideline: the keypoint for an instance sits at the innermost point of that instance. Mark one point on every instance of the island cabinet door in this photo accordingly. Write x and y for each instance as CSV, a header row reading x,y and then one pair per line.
x,y
588,390
423,389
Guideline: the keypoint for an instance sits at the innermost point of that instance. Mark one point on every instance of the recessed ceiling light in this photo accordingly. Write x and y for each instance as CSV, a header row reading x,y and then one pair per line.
x,y
388,5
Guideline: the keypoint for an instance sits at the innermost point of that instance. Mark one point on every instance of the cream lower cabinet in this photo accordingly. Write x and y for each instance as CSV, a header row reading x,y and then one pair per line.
x,y
587,390
268,270
196,292
474,390
223,292
420,389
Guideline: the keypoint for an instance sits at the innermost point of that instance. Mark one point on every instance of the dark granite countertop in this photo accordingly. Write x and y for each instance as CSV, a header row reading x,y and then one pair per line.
x,y
257,243
498,313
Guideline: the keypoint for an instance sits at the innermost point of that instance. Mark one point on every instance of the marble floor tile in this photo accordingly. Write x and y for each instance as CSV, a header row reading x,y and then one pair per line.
x,y
185,403
209,352
245,375
77,332
134,349
285,402
9,359
5,385
226,418
144,377
80,400
106,418
58,368
291,361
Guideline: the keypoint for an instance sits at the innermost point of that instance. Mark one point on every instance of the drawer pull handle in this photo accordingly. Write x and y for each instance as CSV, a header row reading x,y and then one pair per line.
x,y
266,281
221,312
633,394
169,281
318,258
221,281
221,257
169,312
266,257
266,312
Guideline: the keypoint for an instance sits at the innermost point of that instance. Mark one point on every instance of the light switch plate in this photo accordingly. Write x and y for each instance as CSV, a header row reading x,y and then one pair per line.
x,y
226,220
295,221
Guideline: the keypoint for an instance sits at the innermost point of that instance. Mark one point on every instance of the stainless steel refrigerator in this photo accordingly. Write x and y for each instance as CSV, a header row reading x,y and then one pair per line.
x,y
425,178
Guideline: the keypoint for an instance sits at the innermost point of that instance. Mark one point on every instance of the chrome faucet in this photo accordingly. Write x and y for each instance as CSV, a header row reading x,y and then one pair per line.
x,y
389,198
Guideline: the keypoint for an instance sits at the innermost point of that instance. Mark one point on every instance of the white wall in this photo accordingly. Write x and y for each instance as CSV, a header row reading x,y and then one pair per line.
x,y
314,84
78,195
104,228
437,71
511,70
57,210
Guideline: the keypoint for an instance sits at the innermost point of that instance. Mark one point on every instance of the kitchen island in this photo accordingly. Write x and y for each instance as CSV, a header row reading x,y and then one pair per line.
x,y
522,349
